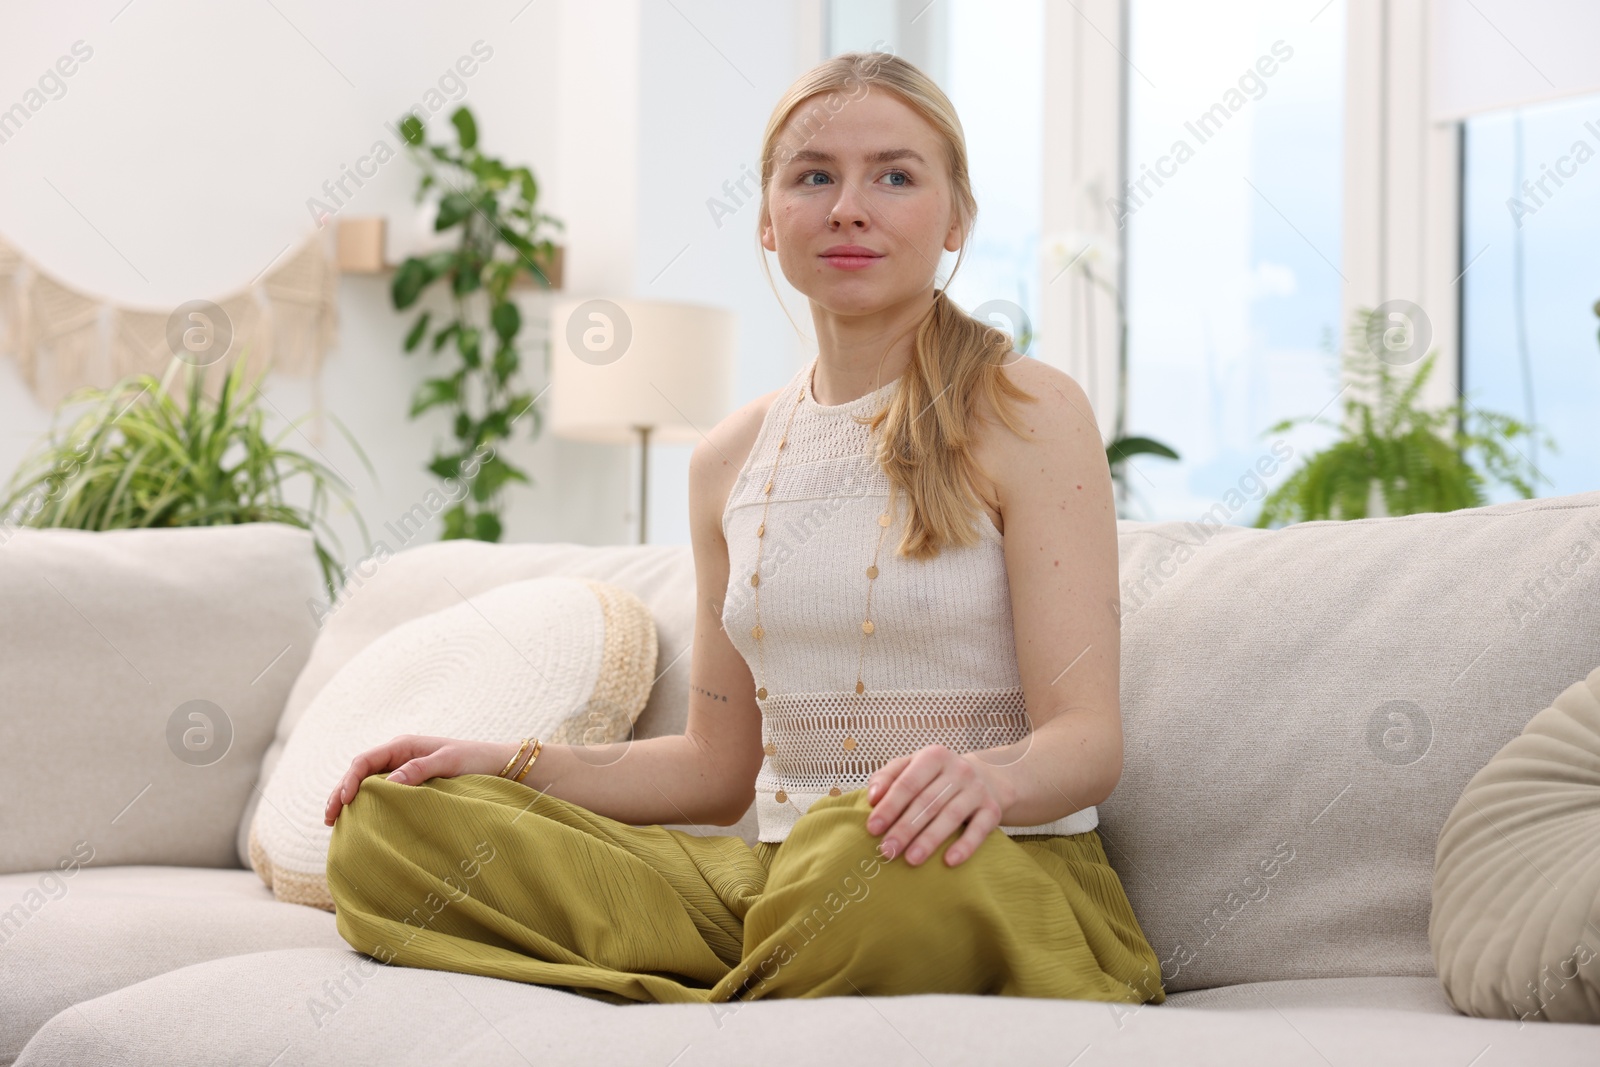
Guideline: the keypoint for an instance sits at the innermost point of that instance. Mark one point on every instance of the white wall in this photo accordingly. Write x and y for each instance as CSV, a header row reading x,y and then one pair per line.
x,y
185,148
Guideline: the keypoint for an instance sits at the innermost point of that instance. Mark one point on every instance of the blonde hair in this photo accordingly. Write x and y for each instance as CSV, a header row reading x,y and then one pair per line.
x,y
927,427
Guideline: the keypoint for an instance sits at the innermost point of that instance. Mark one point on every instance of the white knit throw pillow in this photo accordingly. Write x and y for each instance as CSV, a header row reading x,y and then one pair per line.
x,y
568,660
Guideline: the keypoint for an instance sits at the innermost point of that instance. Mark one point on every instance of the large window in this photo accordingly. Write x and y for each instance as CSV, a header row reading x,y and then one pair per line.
x,y
994,76
1232,222
1530,230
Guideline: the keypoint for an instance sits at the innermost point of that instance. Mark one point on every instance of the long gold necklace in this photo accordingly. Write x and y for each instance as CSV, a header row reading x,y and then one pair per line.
x,y
759,632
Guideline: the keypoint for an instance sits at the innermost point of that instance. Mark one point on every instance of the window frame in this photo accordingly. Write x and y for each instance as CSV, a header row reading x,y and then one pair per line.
x,y
1401,205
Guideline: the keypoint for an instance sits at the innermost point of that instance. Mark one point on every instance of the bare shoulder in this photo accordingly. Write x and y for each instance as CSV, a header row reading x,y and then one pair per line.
x,y
1058,419
1059,403
720,455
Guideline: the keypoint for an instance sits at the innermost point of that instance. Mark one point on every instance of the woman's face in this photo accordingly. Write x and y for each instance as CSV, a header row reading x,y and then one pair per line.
x,y
878,168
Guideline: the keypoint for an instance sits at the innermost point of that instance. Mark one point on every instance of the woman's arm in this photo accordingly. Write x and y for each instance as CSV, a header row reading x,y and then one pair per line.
x,y
673,779
1055,493
1054,490
705,775
411,759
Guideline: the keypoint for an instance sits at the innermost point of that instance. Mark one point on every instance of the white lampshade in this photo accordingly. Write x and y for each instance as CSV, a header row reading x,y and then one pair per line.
x,y
620,364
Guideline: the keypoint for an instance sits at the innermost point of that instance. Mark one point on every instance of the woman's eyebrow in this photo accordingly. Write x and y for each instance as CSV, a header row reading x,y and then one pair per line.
x,y
885,155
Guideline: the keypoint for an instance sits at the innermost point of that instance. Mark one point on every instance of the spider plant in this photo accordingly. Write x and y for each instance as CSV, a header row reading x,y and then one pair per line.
x,y
141,457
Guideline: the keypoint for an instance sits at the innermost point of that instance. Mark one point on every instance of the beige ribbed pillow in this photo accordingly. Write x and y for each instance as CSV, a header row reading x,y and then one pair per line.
x,y
1515,926
569,660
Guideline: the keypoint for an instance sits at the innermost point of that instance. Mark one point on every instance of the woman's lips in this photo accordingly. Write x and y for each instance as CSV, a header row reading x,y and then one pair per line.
x,y
851,262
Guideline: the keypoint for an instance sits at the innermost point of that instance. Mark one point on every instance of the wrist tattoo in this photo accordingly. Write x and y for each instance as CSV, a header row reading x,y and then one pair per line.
x,y
709,693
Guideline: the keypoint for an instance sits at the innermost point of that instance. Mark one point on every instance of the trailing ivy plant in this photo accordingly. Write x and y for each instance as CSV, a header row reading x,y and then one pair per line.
x,y
492,206
1416,458
140,457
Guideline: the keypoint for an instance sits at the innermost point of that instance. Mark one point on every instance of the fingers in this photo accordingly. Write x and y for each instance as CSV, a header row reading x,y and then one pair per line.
x,y
979,825
909,780
884,776
430,757
929,801
932,816
413,771
396,752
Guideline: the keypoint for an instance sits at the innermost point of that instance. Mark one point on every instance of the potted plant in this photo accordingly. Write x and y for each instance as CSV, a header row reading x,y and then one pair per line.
x,y
492,205
1396,458
138,457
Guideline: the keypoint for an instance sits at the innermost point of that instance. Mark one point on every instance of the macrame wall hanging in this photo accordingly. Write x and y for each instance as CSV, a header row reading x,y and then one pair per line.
x,y
62,339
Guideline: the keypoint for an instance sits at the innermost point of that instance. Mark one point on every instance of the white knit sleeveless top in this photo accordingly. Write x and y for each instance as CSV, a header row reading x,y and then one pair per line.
x,y
940,665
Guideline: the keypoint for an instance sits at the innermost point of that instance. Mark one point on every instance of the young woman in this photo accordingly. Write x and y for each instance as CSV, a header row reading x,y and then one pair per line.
x,y
906,639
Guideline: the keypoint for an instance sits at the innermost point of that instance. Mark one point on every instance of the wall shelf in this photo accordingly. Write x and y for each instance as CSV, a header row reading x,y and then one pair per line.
x,y
361,251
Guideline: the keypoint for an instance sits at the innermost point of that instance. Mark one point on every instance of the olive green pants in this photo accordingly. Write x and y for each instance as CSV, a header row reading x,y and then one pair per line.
x,y
482,875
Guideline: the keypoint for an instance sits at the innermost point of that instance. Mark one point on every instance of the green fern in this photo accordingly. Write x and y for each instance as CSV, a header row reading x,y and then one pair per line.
x,y
1417,457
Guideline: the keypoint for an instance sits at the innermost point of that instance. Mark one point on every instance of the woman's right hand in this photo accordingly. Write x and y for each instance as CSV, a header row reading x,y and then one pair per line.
x,y
414,759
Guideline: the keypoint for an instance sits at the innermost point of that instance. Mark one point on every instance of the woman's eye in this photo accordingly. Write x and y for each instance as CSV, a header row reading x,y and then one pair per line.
x,y
804,178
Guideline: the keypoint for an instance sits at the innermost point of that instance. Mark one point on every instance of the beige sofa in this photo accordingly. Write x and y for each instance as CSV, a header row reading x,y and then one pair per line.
x,y
1302,708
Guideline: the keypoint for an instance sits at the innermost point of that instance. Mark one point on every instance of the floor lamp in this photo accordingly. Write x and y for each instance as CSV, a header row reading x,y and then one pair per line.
x,y
639,371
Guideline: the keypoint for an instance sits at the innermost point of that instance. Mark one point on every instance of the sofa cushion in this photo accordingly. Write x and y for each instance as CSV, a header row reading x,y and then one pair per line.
x,y
1516,889
389,589
64,939
143,674
301,1006
1303,706
313,1007
1385,993
567,660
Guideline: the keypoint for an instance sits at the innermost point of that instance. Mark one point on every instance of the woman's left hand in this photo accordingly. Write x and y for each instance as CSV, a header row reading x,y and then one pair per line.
x,y
921,799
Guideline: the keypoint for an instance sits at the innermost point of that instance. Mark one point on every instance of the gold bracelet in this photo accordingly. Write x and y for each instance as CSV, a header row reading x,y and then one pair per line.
x,y
537,746
513,760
